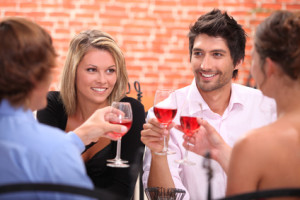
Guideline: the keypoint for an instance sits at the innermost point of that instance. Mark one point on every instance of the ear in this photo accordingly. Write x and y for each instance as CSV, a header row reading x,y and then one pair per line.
x,y
271,68
239,64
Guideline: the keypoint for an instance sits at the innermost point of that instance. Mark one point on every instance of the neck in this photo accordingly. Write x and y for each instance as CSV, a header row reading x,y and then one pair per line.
x,y
287,99
217,100
84,109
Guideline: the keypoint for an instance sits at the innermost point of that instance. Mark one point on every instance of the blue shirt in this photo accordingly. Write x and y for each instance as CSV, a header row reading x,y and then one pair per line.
x,y
33,152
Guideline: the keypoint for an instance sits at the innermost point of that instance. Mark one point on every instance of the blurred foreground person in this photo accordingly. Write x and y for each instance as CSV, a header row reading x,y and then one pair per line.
x,y
29,151
268,157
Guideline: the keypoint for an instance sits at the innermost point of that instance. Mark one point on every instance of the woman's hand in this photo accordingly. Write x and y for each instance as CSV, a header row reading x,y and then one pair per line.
x,y
208,139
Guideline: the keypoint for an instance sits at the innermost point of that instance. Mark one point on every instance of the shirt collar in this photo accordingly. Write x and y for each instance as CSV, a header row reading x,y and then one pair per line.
x,y
236,99
7,109
194,98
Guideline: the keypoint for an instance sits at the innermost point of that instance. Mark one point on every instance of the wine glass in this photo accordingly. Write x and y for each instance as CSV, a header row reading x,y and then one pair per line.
x,y
125,119
165,109
189,125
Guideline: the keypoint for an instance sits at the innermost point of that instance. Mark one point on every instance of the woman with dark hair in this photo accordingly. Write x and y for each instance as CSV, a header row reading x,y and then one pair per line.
x,y
268,157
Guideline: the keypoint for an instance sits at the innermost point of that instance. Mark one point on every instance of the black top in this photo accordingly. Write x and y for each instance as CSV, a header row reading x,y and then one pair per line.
x,y
120,181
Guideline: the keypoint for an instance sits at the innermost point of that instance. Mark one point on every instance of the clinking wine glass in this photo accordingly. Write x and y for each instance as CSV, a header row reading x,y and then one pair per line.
x,y
189,125
165,109
123,119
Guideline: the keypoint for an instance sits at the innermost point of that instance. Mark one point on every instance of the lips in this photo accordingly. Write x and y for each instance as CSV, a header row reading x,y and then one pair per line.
x,y
99,89
208,75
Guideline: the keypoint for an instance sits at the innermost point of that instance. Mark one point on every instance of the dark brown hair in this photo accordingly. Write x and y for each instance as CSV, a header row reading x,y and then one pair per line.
x,y
218,24
278,37
26,57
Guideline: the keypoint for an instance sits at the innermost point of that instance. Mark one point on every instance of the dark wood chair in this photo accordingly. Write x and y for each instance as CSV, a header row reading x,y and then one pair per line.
x,y
57,188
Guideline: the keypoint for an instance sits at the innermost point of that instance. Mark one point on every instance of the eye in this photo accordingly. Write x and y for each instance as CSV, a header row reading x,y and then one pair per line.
x,y
217,54
197,53
111,70
91,69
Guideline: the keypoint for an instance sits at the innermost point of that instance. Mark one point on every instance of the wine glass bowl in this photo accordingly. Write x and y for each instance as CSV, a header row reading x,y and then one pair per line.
x,y
165,109
121,121
189,126
165,115
124,118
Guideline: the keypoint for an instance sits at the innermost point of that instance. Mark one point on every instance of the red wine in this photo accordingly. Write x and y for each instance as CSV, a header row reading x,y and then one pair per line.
x,y
189,125
165,115
124,122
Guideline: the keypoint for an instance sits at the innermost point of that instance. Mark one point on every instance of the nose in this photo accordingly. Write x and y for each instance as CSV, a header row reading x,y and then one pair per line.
x,y
205,63
101,78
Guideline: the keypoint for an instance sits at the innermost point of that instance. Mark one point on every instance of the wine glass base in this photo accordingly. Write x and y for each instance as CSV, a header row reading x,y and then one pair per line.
x,y
115,160
171,152
185,162
117,165
166,152
162,153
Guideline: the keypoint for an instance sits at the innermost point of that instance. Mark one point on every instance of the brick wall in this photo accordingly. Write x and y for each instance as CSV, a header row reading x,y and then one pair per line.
x,y
152,33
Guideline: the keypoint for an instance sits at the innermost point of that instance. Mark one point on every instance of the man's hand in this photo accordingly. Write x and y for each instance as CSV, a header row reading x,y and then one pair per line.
x,y
97,126
153,133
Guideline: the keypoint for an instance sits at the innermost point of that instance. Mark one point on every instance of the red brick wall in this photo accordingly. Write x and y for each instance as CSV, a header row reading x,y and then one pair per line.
x,y
152,33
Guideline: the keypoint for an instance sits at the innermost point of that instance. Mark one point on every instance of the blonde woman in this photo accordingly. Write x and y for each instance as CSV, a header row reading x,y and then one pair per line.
x,y
94,75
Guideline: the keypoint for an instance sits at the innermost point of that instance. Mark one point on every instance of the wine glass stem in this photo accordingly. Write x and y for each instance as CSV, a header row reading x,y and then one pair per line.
x,y
118,149
165,144
187,149
165,149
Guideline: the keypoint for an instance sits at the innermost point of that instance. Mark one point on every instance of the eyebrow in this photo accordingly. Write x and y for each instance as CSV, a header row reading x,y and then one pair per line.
x,y
214,50
97,66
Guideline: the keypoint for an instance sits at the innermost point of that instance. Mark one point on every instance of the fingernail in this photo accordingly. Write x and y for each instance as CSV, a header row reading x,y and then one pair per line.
x,y
165,132
123,129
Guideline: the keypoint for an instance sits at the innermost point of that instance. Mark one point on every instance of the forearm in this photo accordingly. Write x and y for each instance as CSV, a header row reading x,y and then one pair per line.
x,y
222,156
160,175
83,133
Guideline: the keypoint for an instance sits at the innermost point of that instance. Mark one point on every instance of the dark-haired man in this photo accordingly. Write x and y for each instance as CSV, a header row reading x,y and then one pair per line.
x,y
217,48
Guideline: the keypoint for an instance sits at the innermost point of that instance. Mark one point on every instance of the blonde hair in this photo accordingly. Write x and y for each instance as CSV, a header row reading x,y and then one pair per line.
x,y
79,46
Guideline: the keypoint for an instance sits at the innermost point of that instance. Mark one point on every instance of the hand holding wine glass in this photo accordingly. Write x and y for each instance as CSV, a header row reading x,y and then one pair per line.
x,y
124,118
189,125
165,109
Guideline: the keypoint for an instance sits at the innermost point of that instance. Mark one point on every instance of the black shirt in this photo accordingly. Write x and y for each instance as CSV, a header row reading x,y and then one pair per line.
x,y
119,181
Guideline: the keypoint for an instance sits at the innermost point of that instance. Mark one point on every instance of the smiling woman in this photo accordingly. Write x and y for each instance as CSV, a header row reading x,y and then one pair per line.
x,y
96,78
93,77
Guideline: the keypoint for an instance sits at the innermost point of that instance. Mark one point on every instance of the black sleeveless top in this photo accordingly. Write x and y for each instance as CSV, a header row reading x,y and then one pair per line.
x,y
120,181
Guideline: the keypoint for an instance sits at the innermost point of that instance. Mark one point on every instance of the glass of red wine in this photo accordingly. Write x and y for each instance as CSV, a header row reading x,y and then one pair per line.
x,y
124,118
165,109
189,125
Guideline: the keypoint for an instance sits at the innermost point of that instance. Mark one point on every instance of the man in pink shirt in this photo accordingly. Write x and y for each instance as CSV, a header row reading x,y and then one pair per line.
x,y
217,49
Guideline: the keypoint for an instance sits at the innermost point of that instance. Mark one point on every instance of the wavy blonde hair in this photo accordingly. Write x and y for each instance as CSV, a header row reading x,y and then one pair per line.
x,y
79,46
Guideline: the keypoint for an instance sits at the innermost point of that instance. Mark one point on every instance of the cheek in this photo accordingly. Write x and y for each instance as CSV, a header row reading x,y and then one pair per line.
x,y
82,80
254,71
113,80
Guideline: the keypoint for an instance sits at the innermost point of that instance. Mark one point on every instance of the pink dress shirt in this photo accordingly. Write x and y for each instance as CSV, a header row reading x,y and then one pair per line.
x,y
247,109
